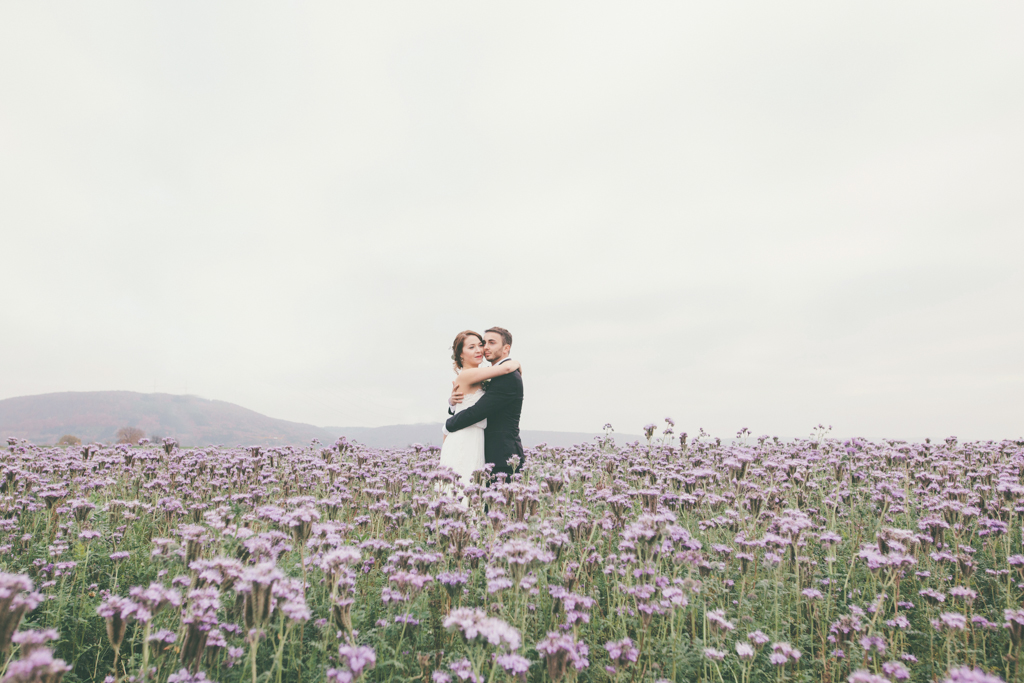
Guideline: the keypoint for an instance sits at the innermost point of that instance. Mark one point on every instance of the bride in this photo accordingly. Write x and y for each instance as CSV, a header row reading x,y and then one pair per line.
x,y
463,451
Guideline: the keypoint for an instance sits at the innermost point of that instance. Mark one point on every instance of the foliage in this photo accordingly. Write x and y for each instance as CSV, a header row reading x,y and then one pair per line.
x,y
749,561
130,435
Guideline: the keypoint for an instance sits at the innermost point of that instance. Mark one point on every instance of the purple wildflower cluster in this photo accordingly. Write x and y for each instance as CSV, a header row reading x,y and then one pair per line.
x,y
767,557
562,653
474,624
36,663
355,659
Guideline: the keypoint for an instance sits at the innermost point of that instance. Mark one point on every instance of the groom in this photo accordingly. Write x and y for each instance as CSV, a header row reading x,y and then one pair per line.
x,y
501,404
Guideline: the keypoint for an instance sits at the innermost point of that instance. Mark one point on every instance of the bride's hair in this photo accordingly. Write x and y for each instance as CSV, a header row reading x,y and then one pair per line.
x,y
460,341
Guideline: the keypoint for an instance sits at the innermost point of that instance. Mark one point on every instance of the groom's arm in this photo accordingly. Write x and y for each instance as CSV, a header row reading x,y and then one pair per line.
x,y
493,401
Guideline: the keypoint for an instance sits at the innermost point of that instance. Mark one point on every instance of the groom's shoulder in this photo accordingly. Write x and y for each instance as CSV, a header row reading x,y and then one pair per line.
x,y
511,379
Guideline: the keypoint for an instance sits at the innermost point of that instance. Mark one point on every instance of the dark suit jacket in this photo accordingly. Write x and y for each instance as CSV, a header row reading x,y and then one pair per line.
x,y
501,405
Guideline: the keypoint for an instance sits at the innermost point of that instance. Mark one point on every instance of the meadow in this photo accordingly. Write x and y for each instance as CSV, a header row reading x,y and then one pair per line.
x,y
678,559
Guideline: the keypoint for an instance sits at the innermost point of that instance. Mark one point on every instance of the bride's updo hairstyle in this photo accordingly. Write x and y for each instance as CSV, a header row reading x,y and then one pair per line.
x,y
460,341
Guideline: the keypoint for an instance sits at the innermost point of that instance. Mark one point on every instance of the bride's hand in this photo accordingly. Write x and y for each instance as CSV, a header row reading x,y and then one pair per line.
x,y
457,395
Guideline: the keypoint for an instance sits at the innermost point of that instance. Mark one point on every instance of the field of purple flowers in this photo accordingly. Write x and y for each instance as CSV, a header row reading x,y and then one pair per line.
x,y
674,559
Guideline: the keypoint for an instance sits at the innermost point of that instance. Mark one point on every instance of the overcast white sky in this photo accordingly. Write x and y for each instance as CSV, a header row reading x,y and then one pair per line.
x,y
762,215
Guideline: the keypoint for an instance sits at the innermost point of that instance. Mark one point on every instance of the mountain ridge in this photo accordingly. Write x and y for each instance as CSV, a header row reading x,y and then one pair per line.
x,y
193,421
95,416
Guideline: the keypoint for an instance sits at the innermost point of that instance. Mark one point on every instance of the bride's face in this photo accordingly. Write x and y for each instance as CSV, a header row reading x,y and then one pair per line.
x,y
472,353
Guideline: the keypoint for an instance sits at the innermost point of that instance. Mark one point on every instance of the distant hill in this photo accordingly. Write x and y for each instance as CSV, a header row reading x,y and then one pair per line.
x,y
193,421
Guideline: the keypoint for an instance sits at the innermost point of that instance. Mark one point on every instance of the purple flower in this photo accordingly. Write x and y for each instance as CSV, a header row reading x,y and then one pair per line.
x,y
967,675
151,600
215,639
713,654
29,641
291,601
571,602
163,636
1015,624
829,537
81,508
718,622
117,611
474,624
235,655
758,638
622,652
899,621
559,651
203,604
793,522
786,650
950,621
463,669
516,665
673,596
184,676
453,581
875,643
344,556
966,594
410,582
16,599
745,651
897,671
864,676
982,622
357,658
520,555
220,571
845,627
38,666
257,585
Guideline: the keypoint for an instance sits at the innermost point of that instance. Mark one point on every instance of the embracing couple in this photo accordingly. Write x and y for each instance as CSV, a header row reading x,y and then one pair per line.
x,y
485,405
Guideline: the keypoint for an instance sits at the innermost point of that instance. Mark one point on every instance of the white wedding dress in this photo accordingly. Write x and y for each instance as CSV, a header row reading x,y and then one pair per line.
x,y
463,451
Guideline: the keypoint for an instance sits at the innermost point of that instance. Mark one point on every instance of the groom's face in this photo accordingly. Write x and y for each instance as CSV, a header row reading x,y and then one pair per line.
x,y
494,347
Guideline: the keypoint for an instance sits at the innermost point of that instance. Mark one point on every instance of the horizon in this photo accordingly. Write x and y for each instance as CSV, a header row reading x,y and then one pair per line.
x,y
819,431
741,215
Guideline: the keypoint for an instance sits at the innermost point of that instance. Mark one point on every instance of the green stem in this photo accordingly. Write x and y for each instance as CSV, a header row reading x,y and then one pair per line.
x,y
398,649
145,650
279,657
252,655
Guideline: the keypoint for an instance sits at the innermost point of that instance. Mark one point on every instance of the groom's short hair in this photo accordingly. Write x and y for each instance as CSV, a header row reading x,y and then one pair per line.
x,y
506,336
